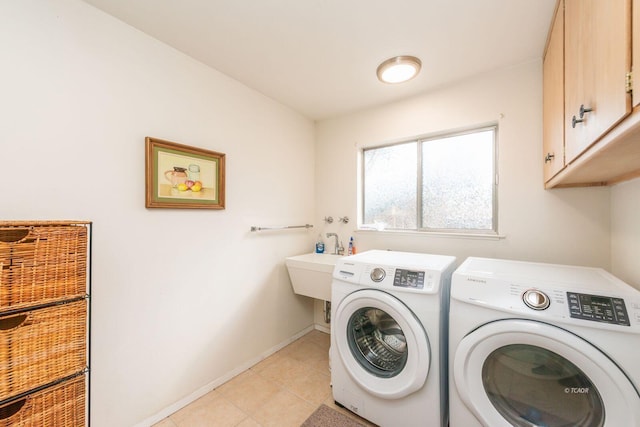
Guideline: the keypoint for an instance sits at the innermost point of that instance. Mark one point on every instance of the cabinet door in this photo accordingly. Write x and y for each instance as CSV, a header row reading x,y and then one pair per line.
x,y
553,98
597,59
635,56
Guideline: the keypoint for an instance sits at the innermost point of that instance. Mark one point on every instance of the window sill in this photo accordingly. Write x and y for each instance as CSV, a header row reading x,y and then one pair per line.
x,y
446,235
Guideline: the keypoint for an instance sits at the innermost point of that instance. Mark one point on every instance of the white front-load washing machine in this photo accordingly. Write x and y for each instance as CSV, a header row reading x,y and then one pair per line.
x,y
548,345
388,337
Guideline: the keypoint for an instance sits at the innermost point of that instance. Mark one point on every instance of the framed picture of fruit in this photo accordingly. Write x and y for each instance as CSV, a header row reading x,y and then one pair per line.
x,y
183,177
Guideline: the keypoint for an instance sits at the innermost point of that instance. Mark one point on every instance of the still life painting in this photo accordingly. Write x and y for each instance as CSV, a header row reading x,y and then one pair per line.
x,y
182,176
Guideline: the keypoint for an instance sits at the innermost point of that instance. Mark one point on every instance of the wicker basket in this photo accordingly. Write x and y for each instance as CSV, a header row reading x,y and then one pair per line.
x,y
41,262
62,405
41,346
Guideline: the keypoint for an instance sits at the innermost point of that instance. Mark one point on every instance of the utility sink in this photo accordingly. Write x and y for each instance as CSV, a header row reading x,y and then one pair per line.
x,y
311,274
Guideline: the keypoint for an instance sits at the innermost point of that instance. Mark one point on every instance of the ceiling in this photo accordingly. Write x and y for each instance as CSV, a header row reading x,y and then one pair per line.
x,y
319,57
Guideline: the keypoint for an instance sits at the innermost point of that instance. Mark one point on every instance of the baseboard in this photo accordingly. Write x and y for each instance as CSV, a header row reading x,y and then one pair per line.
x,y
325,329
161,415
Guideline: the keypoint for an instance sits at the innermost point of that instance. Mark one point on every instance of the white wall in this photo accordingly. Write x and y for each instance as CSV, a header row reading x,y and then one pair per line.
x,y
562,226
181,298
625,231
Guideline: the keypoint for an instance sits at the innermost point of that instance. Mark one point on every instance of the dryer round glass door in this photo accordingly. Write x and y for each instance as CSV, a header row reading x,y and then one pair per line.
x,y
534,386
382,344
526,373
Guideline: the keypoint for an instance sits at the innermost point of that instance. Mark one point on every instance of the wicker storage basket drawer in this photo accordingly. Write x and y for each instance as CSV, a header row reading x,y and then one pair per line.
x,y
41,262
62,405
41,346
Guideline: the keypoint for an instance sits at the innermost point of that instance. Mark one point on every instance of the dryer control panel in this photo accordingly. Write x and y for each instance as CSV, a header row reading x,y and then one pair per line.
x,y
598,308
580,296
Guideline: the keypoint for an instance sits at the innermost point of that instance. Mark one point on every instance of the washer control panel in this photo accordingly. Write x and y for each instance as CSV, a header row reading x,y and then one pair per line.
x,y
598,308
378,274
408,279
536,299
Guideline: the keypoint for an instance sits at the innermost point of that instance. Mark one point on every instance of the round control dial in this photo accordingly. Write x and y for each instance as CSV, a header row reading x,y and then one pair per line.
x,y
536,299
378,274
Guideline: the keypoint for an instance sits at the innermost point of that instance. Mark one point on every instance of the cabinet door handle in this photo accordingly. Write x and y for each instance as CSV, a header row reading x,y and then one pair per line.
x,y
584,110
549,157
575,121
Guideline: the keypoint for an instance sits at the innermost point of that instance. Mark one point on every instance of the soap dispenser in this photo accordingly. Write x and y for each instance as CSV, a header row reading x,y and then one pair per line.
x,y
319,245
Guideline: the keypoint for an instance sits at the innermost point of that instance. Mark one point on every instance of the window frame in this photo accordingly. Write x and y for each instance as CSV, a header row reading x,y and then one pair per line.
x,y
419,141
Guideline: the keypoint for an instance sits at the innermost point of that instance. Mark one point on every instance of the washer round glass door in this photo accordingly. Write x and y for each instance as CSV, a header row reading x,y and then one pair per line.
x,y
382,344
526,373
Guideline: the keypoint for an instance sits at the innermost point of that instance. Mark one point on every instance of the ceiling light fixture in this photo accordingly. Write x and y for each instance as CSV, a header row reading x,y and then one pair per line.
x,y
399,69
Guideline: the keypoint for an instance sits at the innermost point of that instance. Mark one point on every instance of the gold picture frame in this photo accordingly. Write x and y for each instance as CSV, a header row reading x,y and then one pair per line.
x,y
183,177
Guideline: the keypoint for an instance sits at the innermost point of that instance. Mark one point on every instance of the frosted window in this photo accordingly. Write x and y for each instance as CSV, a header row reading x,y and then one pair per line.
x,y
457,183
390,177
437,184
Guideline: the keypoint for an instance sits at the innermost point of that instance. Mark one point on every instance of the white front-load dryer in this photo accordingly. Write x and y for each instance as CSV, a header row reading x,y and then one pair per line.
x,y
388,337
544,345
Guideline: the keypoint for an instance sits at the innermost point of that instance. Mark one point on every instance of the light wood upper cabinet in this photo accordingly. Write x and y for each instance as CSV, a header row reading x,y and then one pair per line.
x,y
597,60
635,51
553,97
602,143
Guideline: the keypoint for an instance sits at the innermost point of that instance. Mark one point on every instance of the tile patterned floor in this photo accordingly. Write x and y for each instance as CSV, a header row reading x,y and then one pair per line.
x,y
282,390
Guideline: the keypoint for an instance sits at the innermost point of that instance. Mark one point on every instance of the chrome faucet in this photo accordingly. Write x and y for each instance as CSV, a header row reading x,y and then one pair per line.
x,y
336,248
